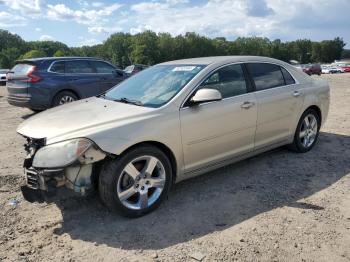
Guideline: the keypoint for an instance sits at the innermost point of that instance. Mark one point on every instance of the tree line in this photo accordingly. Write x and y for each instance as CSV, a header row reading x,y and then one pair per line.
x,y
123,49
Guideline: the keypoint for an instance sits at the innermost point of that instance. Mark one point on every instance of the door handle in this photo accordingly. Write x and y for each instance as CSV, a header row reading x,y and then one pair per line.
x,y
296,93
247,105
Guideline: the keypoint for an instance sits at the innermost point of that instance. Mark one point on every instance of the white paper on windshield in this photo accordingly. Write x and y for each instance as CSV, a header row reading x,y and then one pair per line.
x,y
183,68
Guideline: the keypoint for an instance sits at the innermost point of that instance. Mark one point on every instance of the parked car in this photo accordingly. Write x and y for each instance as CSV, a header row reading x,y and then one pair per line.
x,y
42,83
312,69
171,122
346,68
133,69
3,73
331,69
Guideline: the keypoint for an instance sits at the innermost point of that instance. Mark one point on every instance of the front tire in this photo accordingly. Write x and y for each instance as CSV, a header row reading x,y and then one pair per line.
x,y
307,132
137,182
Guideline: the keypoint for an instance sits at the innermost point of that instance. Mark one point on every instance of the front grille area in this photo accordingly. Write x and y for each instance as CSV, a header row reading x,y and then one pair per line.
x,y
32,179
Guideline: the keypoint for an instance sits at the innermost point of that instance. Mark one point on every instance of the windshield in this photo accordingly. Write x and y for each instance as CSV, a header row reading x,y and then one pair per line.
x,y
155,86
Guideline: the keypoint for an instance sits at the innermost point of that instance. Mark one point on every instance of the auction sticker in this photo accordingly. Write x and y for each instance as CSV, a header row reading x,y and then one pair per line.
x,y
183,68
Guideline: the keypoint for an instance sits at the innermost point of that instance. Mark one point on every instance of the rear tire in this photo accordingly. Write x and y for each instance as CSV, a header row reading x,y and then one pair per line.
x,y
137,182
307,132
64,97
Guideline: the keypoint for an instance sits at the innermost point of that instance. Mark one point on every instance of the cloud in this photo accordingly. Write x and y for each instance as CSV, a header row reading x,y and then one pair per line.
x,y
259,8
83,16
104,29
25,7
10,20
89,42
214,18
46,38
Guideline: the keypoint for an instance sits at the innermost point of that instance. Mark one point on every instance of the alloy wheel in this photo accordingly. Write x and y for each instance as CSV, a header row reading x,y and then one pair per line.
x,y
66,100
141,182
308,130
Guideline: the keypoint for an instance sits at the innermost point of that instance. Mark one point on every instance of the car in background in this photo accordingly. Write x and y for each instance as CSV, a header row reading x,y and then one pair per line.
x,y
312,69
330,69
346,68
3,73
133,69
42,83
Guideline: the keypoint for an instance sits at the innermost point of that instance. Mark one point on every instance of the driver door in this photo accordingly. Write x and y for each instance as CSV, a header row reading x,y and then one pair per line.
x,y
217,131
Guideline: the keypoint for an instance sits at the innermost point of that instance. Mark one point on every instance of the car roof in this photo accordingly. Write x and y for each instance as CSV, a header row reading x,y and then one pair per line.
x,y
221,59
40,59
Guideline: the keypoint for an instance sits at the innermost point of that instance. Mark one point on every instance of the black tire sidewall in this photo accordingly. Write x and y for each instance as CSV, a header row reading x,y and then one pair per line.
x,y
297,141
112,170
57,98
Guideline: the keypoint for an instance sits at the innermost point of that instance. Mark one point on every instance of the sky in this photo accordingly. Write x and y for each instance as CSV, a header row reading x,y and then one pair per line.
x,y
81,22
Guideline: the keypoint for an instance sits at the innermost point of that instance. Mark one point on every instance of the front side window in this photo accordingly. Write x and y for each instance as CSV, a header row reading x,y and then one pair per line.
x,y
154,86
57,67
265,75
78,67
103,68
229,81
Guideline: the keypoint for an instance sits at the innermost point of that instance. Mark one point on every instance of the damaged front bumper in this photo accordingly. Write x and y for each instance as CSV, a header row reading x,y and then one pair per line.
x,y
78,176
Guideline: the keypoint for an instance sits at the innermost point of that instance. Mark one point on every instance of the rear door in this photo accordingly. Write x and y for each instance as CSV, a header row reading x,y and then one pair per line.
x,y
279,101
82,78
108,75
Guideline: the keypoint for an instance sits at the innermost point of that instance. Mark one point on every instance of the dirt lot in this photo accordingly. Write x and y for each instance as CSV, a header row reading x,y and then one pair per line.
x,y
279,206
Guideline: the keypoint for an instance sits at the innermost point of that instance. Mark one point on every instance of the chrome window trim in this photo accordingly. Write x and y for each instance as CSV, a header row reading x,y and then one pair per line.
x,y
78,59
203,79
236,63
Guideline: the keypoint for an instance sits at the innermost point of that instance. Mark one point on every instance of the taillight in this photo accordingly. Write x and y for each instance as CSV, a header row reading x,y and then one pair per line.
x,y
31,77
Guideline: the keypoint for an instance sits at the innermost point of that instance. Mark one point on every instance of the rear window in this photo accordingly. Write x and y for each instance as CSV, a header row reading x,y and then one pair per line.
x,y
21,69
102,67
57,67
78,67
287,77
265,75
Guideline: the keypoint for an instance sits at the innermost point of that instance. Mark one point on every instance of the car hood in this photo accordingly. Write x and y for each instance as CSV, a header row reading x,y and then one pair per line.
x,y
81,118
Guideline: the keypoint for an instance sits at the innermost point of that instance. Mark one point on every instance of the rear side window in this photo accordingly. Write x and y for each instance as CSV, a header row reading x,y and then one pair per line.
x,y
57,67
78,67
102,67
229,81
289,80
265,76
21,69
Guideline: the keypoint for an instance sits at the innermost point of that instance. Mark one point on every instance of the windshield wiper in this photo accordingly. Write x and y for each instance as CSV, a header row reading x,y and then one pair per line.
x,y
129,101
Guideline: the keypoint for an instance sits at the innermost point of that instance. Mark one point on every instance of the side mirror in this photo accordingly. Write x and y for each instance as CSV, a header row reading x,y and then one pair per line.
x,y
206,95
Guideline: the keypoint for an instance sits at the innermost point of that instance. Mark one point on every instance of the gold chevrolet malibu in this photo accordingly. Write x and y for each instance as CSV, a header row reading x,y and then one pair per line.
x,y
170,122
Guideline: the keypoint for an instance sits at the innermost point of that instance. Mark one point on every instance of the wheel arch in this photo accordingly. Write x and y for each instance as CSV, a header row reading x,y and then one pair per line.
x,y
164,148
63,90
317,109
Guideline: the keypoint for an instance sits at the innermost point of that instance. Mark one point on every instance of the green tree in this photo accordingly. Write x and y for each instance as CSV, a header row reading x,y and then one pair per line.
x,y
33,54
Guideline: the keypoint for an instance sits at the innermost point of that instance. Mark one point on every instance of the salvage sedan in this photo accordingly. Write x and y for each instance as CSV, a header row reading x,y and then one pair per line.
x,y
168,123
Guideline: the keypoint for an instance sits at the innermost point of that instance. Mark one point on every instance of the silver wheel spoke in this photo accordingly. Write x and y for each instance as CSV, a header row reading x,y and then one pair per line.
x,y
307,123
143,201
127,194
151,164
313,123
302,134
157,182
131,170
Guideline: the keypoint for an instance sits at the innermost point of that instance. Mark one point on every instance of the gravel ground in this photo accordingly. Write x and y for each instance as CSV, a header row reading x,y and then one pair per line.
x,y
279,206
